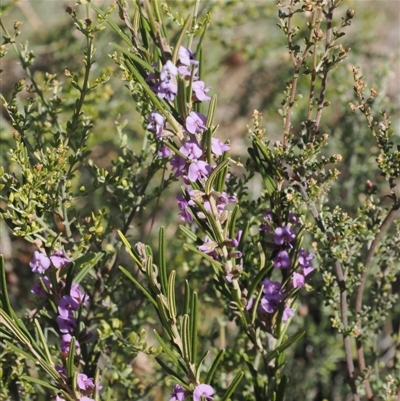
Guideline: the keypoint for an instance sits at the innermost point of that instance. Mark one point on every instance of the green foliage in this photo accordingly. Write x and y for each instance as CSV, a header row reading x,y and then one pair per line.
x,y
81,174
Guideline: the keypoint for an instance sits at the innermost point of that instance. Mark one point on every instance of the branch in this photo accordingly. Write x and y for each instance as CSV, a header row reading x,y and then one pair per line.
x,y
343,296
391,216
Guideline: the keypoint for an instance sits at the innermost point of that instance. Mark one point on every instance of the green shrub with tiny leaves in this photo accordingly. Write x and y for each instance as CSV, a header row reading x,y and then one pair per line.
x,y
172,240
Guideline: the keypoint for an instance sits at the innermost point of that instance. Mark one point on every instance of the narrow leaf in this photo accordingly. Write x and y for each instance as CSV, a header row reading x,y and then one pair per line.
x,y
185,335
194,312
214,366
162,263
213,176
231,389
5,300
171,295
139,285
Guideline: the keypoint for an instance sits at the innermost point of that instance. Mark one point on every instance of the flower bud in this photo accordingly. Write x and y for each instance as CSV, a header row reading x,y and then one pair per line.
x,y
350,14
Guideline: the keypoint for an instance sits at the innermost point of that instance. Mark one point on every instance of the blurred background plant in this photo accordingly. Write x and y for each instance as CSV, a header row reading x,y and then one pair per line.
x,y
247,64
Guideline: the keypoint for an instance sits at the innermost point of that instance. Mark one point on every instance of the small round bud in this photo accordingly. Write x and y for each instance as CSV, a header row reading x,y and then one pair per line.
x,y
350,13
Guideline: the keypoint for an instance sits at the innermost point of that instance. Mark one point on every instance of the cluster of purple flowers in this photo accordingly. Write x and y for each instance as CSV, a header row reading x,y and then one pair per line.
x,y
68,306
201,390
272,296
191,161
284,237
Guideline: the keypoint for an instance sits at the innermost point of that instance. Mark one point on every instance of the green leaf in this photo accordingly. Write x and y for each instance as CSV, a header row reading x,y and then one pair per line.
x,y
43,341
291,340
194,312
214,366
180,38
220,182
20,351
186,300
212,177
163,315
86,265
232,222
171,296
139,285
130,251
205,256
5,300
231,389
171,372
40,383
134,57
181,98
112,24
71,358
185,335
260,275
189,234
162,263
280,394
166,348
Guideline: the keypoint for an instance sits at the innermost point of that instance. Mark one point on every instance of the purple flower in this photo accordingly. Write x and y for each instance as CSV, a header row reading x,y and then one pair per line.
x,y
273,295
77,294
187,72
66,324
269,305
284,236
225,198
178,394
191,150
165,151
267,223
298,280
250,303
85,383
195,122
167,90
287,313
38,288
272,290
198,170
186,56
185,214
282,260
39,263
209,246
168,71
305,258
293,218
203,390
178,163
86,399
67,305
307,270
200,91
156,123
59,260
218,147
66,342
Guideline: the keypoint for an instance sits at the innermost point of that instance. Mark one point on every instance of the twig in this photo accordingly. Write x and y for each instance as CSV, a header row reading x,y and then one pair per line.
x,y
391,216
329,16
298,63
343,296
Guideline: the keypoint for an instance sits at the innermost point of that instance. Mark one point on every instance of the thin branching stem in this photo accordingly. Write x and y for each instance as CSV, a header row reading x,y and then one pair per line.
x,y
393,214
